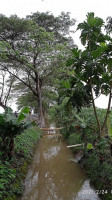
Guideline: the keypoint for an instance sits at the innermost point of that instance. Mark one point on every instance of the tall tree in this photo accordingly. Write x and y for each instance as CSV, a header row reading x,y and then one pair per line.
x,y
59,25
92,66
31,55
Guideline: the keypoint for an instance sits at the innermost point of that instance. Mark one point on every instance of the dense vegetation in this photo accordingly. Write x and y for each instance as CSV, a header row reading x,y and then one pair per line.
x,y
42,67
13,162
83,122
33,53
95,154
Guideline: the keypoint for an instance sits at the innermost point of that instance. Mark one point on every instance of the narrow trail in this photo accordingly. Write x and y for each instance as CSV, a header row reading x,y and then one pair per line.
x,y
55,175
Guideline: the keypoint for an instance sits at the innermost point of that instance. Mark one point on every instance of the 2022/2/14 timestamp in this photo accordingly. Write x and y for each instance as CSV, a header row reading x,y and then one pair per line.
x,y
95,192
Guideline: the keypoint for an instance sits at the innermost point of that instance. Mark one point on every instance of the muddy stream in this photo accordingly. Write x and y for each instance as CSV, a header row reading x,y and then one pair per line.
x,y
54,174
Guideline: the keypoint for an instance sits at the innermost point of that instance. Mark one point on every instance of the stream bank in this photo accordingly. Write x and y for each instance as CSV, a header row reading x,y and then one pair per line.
x,y
55,175
96,161
13,172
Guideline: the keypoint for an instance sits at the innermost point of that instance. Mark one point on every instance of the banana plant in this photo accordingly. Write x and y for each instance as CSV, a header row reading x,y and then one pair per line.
x,y
10,126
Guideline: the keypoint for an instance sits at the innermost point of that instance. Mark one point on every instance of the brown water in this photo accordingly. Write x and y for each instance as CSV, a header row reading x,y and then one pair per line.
x,y
54,174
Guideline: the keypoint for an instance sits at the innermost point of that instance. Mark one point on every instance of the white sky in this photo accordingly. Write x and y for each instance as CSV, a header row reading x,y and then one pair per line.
x,y
77,8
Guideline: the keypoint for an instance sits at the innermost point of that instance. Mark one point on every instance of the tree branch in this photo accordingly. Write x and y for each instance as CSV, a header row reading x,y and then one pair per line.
x,y
3,84
9,90
29,86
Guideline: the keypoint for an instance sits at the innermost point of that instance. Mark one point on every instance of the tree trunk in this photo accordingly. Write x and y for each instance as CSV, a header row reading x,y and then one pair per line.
x,y
108,109
2,105
98,123
41,115
39,92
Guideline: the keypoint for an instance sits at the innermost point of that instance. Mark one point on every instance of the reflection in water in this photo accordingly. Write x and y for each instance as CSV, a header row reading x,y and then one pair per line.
x,y
53,151
52,176
87,192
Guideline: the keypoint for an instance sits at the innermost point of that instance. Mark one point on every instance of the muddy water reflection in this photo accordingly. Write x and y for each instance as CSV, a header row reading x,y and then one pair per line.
x,y
53,175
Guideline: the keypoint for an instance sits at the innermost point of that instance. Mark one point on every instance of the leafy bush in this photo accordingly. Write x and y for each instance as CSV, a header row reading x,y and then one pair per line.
x,y
24,143
97,160
7,176
12,171
74,138
10,126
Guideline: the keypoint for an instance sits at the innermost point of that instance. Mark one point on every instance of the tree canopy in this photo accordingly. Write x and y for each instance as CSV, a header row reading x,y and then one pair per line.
x,y
92,66
34,56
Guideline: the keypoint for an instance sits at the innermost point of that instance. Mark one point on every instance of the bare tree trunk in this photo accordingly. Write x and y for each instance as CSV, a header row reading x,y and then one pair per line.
x,y
39,92
41,115
2,105
98,123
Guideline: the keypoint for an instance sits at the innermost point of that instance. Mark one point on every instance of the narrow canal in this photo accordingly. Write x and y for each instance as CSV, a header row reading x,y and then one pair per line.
x,y
54,174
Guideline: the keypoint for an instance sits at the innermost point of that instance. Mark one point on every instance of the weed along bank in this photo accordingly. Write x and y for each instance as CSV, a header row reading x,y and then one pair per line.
x,y
15,156
92,153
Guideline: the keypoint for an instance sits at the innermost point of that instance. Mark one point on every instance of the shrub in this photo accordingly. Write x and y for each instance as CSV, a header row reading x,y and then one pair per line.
x,y
11,172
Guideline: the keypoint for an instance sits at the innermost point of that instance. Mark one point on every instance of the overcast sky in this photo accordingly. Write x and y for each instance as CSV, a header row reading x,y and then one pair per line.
x,y
77,8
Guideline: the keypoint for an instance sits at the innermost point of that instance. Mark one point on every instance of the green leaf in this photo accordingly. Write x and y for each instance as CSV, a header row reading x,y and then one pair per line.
x,y
79,118
25,110
66,84
109,126
8,110
89,146
2,186
110,64
76,52
33,123
99,50
21,117
69,62
103,44
1,119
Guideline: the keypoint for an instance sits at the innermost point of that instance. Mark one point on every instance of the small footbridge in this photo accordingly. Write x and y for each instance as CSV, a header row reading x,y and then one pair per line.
x,y
51,131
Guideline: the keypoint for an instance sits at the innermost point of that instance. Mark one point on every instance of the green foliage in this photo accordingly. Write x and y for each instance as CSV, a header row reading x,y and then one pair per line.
x,y
92,67
96,152
10,126
66,84
22,115
38,52
11,172
59,25
74,138
89,146
24,143
7,176
109,124
91,30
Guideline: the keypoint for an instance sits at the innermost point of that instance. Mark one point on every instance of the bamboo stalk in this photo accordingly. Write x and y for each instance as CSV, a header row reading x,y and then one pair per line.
x,y
54,134
50,129
75,145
